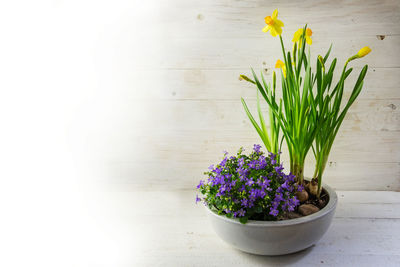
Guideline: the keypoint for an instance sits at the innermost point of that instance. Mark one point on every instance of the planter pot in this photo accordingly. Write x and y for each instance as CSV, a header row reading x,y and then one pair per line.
x,y
276,237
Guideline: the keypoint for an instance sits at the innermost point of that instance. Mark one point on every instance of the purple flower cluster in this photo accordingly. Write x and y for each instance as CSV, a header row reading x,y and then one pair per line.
x,y
249,187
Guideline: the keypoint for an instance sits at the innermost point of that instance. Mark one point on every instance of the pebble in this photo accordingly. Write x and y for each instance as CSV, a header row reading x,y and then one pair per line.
x,y
302,196
307,209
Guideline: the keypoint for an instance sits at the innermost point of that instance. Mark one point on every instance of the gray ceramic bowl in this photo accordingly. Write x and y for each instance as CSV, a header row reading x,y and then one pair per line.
x,y
276,238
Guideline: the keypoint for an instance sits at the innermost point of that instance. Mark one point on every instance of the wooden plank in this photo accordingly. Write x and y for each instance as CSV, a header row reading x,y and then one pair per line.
x,y
185,173
203,84
183,236
246,18
136,160
231,53
196,115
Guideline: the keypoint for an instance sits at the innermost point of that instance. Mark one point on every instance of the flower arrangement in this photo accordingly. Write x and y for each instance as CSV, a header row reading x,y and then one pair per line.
x,y
307,116
311,111
249,187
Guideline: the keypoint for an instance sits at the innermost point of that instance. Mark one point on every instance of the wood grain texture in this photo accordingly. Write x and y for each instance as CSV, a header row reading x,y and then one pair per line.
x,y
363,233
168,102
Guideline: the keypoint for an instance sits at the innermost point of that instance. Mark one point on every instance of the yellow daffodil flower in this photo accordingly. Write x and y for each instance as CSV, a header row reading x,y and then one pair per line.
x,y
364,51
274,25
299,33
280,65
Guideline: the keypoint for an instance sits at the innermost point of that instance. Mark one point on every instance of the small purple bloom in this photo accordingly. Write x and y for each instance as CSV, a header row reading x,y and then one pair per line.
x,y
250,182
241,212
200,184
300,188
223,162
278,198
274,212
197,199
278,169
257,148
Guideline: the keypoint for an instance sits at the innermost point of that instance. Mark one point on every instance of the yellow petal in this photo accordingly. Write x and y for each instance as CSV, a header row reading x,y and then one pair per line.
x,y
279,64
364,51
308,40
308,32
273,31
275,14
266,28
279,23
278,30
297,35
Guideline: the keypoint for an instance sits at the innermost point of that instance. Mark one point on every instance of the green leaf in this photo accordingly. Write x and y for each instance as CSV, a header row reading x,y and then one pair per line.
x,y
243,220
260,132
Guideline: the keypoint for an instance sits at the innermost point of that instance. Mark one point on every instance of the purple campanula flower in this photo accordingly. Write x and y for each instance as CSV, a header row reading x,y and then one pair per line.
x,y
285,185
253,194
257,148
222,189
295,201
280,190
271,155
200,184
250,182
278,198
274,212
245,202
241,213
251,203
300,188
266,182
223,162
197,199
252,164
278,169
241,162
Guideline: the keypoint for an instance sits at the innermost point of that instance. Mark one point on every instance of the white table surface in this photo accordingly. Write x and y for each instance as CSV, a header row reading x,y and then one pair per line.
x,y
169,229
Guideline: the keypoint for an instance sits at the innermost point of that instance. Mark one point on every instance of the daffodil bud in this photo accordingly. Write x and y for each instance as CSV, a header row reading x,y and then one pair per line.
x,y
364,51
361,53
274,81
244,77
274,78
321,60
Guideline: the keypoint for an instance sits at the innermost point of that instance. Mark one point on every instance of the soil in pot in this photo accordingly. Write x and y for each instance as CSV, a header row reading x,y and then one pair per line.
x,y
309,203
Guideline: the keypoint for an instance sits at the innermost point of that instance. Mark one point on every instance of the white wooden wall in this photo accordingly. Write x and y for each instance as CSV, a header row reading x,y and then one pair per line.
x,y
169,93
146,95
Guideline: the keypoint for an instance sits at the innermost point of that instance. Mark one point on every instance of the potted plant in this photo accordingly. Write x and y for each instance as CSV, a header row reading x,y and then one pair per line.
x,y
252,203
